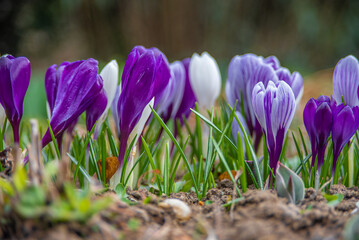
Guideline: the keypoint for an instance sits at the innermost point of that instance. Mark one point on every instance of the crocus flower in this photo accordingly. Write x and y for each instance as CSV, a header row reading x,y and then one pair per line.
x,y
109,76
71,89
205,79
345,124
177,87
188,100
294,80
346,81
274,108
145,76
318,121
244,72
14,80
96,110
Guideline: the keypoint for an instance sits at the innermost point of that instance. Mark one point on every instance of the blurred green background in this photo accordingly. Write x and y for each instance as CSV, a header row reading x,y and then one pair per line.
x,y
306,35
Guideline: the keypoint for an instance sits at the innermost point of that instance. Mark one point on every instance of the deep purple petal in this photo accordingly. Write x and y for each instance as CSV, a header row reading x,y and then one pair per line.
x,y
323,125
6,89
188,99
76,82
14,80
20,73
137,93
308,119
345,124
96,109
130,61
78,86
51,86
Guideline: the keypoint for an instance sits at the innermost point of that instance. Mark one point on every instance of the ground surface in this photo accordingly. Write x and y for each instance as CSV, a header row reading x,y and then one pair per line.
x,y
260,215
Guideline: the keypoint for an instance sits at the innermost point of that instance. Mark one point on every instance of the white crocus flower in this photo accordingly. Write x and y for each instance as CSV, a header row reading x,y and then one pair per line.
x,y
109,76
205,79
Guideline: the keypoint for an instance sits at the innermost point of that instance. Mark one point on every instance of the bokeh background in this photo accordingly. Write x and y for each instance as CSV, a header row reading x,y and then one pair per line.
x,y
309,36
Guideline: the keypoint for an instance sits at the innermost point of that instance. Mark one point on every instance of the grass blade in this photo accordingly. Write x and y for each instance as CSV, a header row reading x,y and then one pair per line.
x,y
168,131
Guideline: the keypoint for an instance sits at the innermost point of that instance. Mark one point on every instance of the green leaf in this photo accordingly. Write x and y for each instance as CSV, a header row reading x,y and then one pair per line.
x,y
223,160
289,184
168,131
333,200
82,170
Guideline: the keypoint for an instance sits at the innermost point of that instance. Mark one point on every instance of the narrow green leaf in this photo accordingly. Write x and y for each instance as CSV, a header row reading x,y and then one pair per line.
x,y
152,162
168,131
82,170
54,140
223,160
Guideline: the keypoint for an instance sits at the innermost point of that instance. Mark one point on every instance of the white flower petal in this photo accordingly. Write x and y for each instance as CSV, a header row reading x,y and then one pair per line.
x,y
205,79
137,130
109,76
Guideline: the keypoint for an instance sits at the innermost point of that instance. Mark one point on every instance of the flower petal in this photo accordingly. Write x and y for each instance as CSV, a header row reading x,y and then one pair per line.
x,y
188,99
346,81
95,110
205,79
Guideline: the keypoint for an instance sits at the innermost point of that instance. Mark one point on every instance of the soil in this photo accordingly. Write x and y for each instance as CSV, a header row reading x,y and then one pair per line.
x,y
259,215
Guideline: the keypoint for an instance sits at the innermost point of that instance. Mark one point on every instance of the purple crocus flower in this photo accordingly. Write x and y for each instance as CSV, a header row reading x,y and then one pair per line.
x,y
145,76
345,124
346,81
71,89
318,121
274,108
176,91
188,100
244,73
294,80
96,109
14,80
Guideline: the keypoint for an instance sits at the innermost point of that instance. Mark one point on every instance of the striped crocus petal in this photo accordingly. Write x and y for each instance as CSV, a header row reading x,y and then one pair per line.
x,y
274,107
273,61
346,81
240,71
264,74
295,81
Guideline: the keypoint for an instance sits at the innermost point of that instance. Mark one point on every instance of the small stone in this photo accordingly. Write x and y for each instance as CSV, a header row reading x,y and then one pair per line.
x,y
180,208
